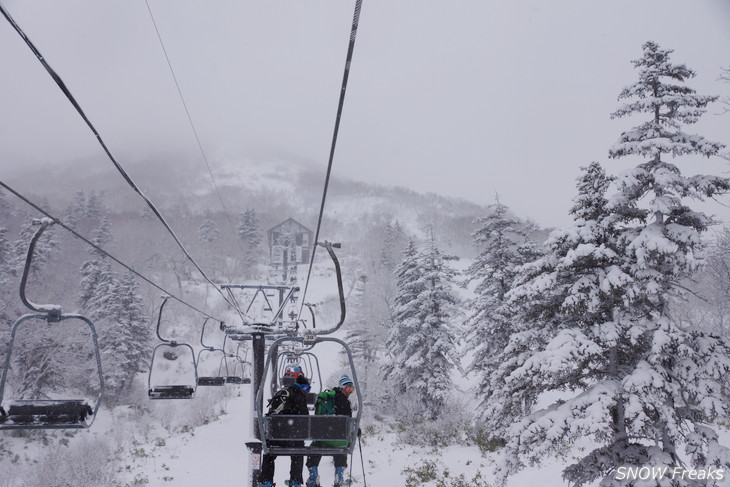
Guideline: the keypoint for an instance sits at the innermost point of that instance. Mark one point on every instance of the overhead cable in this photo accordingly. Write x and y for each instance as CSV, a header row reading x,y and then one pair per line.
x,y
118,166
195,132
58,222
343,90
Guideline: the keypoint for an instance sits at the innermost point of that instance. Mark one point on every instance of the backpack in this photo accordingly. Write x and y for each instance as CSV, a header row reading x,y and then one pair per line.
x,y
279,402
325,404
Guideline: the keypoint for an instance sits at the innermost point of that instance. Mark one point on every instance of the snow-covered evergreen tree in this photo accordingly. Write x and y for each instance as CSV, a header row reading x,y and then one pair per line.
x,y
595,315
208,231
711,308
114,305
249,231
499,237
76,211
95,208
103,235
5,207
394,242
6,264
422,343
127,334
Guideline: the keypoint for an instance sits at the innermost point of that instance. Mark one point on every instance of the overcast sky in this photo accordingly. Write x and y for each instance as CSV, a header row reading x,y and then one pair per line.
x,y
462,97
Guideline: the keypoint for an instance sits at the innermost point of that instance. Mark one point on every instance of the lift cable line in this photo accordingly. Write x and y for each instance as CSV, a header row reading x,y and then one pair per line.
x,y
118,166
195,132
58,222
343,90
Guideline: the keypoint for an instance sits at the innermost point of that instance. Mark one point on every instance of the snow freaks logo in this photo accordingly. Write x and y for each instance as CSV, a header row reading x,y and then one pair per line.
x,y
672,473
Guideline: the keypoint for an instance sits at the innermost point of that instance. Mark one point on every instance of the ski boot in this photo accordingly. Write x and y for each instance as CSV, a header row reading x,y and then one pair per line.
x,y
294,483
265,484
339,477
313,480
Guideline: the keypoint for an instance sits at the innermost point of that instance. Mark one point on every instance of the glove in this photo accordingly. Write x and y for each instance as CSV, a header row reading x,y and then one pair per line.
x,y
359,433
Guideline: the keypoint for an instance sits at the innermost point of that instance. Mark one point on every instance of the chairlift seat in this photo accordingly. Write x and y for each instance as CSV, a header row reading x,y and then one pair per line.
x,y
323,430
172,392
236,380
211,381
67,413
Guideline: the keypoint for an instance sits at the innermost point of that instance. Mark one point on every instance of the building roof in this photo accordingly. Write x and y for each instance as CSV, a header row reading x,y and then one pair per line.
x,y
287,221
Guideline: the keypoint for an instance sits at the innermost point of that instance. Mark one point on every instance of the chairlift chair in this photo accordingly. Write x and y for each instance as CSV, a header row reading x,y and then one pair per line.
x,y
279,427
244,377
209,381
47,413
238,375
170,391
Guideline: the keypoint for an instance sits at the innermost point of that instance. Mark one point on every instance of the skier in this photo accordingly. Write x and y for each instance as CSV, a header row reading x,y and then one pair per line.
x,y
289,400
341,407
293,371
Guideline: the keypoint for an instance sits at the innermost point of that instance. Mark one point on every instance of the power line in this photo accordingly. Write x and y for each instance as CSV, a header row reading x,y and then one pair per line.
x,y
118,166
343,89
58,222
192,126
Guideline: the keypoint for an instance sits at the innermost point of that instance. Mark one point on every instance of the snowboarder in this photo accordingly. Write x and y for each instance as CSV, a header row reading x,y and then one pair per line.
x,y
289,400
341,407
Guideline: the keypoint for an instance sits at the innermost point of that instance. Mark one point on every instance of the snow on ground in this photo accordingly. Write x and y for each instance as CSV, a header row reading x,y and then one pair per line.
x,y
153,449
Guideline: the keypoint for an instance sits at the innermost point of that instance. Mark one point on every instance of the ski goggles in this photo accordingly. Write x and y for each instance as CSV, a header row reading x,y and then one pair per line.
x,y
304,387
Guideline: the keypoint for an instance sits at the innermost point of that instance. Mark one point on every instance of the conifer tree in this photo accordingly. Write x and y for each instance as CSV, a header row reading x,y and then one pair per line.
x,y
128,334
359,333
208,231
249,231
595,315
488,326
76,211
408,287
7,270
5,207
422,343
103,234
6,266
394,242
94,208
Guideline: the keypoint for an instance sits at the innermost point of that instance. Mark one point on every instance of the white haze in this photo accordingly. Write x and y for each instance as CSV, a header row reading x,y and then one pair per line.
x,y
465,98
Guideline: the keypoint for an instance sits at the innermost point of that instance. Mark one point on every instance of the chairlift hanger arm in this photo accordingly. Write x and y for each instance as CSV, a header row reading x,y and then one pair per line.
x,y
159,318
202,334
338,273
52,310
311,311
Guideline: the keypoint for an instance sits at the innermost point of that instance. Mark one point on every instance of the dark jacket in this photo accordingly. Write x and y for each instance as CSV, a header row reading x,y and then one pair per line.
x,y
342,404
293,400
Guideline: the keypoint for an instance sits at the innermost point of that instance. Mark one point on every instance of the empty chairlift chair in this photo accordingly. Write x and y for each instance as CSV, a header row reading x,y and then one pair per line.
x,y
49,413
171,391
209,380
240,373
